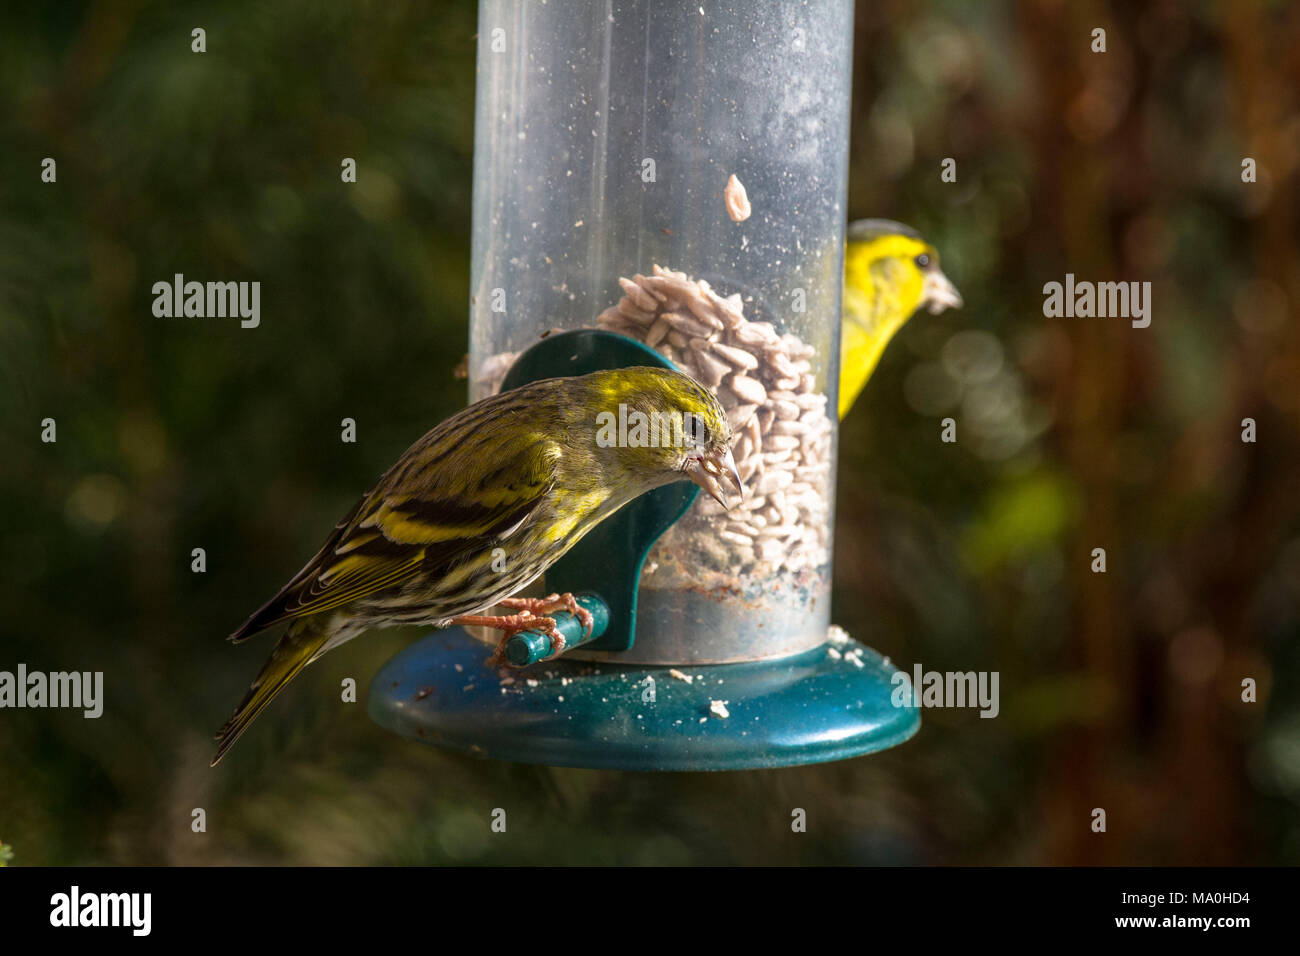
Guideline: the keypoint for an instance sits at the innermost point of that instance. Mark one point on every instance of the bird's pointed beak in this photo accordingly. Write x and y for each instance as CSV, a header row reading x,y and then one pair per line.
x,y
938,293
709,469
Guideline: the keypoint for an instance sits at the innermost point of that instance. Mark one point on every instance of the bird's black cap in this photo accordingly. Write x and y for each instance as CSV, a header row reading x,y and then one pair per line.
x,y
864,230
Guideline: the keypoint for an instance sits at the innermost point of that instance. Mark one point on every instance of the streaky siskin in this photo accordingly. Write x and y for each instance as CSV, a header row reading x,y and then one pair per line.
x,y
519,477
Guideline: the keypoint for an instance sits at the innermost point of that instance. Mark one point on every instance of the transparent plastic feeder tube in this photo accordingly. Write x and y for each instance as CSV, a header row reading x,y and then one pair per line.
x,y
606,134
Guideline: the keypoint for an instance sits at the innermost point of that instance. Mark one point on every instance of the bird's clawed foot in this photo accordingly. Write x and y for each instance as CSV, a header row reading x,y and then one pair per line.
x,y
549,605
509,625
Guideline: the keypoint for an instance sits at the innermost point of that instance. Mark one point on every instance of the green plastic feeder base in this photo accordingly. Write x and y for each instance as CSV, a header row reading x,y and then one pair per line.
x,y
825,704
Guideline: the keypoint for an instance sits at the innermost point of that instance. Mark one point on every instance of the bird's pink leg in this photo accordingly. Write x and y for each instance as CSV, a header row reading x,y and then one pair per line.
x,y
549,605
509,626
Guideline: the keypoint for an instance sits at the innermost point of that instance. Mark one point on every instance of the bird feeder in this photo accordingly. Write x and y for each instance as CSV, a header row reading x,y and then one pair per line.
x,y
664,184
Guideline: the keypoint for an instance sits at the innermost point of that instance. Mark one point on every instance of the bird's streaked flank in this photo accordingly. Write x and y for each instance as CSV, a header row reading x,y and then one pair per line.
x,y
477,509
889,273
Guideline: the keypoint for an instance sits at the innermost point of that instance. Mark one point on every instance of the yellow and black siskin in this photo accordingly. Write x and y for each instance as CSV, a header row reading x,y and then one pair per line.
x,y
521,471
889,273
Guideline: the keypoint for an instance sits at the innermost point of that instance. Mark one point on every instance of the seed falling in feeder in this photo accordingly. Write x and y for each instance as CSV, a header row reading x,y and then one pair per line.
x,y
736,200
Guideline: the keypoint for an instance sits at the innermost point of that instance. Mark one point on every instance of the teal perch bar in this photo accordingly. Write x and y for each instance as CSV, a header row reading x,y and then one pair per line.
x,y
529,647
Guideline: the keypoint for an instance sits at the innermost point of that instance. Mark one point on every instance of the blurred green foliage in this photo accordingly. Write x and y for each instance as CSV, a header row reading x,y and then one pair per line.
x,y
1120,690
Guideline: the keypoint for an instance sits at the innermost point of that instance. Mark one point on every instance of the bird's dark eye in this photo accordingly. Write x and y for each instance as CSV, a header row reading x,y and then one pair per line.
x,y
923,261
694,428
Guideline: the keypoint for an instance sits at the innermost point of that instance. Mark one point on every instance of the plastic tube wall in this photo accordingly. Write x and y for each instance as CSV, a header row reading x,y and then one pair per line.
x,y
607,133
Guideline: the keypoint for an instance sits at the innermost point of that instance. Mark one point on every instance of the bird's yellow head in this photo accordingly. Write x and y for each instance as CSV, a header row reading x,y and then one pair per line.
x,y
891,258
889,273
663,426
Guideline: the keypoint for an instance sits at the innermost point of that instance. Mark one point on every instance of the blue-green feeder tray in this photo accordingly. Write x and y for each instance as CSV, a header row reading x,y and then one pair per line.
x,y
828,703
809,708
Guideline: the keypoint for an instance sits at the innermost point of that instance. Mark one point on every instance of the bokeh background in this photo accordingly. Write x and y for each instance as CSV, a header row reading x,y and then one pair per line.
x,y
1119,690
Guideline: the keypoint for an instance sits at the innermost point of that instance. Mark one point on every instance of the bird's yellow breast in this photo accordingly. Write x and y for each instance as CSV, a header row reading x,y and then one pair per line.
x,y
883,286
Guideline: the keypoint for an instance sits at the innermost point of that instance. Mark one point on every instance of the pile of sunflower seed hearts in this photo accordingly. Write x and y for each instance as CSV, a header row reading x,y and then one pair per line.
x,y
765,382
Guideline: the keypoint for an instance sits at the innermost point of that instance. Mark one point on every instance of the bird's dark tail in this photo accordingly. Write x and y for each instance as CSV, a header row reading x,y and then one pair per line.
x,y
297,648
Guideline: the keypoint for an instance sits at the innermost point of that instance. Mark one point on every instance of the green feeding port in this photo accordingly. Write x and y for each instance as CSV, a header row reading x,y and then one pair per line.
x,y
608,561
671,192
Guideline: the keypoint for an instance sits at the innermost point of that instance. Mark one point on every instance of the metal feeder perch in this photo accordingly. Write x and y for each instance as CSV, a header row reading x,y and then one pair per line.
x,y
605,133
